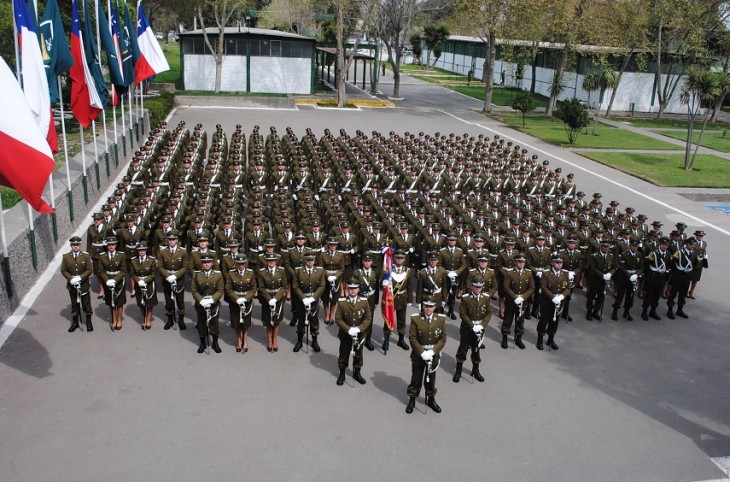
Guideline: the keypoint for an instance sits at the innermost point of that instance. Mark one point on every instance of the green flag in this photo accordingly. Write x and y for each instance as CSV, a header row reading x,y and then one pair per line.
x,y
54,47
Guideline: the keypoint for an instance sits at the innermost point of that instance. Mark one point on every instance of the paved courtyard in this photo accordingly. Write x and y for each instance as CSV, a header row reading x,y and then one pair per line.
x,y
638,401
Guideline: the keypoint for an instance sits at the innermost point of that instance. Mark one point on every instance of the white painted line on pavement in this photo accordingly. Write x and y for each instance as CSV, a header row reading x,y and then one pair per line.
x,y
646,196
234,108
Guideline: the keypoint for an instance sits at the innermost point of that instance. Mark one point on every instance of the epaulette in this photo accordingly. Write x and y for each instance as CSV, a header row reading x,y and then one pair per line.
x,y
84,252
360,298
215,271
415,314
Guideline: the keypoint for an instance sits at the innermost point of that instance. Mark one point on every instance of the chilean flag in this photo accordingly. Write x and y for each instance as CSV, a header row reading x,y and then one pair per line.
x,y
33,73
388,305
85,101
26,160
151,59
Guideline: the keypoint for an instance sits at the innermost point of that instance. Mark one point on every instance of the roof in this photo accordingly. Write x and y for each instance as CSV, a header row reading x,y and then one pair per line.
x,y
542,45
247,31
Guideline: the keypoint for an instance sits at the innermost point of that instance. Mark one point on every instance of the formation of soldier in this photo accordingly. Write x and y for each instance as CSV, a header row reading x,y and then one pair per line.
x,y
455,219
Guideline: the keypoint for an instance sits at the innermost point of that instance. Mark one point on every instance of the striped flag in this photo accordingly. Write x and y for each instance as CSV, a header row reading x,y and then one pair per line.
x,y
388,305
151,59
86,103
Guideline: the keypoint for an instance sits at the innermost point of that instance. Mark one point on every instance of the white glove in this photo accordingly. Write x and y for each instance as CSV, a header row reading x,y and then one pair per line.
x,y
241,301
76,280
557,299
308,301
171,279
519,300
386,283
452,274
353,331
272,302
316,197
539,274
352,250
633,277
111,283
142,283
571,275
427,355
478,329
332,279
410,250
437,291
206,302
607,277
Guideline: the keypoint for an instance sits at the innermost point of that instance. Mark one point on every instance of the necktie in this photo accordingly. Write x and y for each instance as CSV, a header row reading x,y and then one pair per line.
x,y
76,255
309,272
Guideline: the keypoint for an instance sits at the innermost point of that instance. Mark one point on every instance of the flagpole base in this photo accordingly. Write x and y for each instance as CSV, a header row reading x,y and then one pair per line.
x,y
85,182
33,251
136,131
124,146
98,179
106,161
116,155
54,223
6,273
70,195
131,138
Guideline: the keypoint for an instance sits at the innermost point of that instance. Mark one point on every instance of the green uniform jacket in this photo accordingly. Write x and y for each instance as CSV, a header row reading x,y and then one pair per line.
x,y
474,312
357,314
432,284
212,285
271,286
81,266
170,263
310,284
516,284
423,333
241,285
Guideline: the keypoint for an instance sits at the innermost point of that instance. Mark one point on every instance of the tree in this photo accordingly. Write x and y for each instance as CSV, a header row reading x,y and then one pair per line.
x,y
701,90
574,115
432,37
591,81
394,19
415,41
222,11
289,15
524,102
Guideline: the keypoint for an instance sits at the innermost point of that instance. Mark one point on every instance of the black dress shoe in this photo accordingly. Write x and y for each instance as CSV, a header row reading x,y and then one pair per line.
x,y
169,323
403,344
315,345
411,405
238,350
341,377
477,376
369,344
519,344
202,346
569,318
292,322
297,346
589,316
528,316
504,344
434,406
358,378
74,326
654,315
682,314
614,316
670,315
597,316
452,315
551,343
539,343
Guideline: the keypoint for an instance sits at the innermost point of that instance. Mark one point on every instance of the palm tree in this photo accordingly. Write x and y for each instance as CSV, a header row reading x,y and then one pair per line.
x,y
701,90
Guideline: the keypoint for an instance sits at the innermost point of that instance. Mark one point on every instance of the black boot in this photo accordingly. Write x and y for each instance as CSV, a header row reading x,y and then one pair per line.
x,y
411,404
614,315
682,314
386,342
670,313
181,322
597,315
431,402
457,373
358,378
298,344
644,316
341,377
369,344
203,344
402,343
315,345
170,322
475,373
654,315
451,313
589,315
214,345
74,325
505,344
551,343
518,343
628,316
539,342
89,326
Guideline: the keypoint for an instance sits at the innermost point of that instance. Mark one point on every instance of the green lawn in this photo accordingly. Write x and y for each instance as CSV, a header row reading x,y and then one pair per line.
x,y
172,76
711,140
673,123
606,137
667,169
502,96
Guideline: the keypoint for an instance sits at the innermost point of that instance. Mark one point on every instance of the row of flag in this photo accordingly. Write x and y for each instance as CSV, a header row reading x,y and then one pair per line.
x,y
27,132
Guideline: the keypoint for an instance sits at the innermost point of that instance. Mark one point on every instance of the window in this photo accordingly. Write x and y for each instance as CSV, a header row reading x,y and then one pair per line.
x,y
275,48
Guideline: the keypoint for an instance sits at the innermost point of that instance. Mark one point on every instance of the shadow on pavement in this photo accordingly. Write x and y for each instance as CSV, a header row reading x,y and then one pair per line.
x,y
24,353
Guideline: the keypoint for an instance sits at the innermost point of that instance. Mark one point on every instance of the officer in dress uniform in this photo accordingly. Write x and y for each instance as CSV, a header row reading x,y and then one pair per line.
x,y
601,266
400,278
656,275
309,284
95,235
272,293
475,311
112,269
295,259
208,288
682,263
701,248
333,263
173,265
428,337
76,267
432,281
368,277
630,269
519,286
144,272
241,290
453,260
353,317
555,289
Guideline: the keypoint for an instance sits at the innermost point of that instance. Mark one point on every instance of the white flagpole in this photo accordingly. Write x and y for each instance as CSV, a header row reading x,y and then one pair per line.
x,y
96,154
85,178
3,240
131,137
93,123
65,151
124,129
116,149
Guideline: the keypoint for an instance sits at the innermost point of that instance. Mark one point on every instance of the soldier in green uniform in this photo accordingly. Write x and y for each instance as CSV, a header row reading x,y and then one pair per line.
x,y
333,262
573,264
272,293
309,285
368,277
630,269
143,273
295,259
432,281
475,311
655,278
241,290
428,337
453,260
555,289
682,263
95,235
353,317
701,248
208,288
400,278
538,260
112,269
601,266
519,286
173,264
76,267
